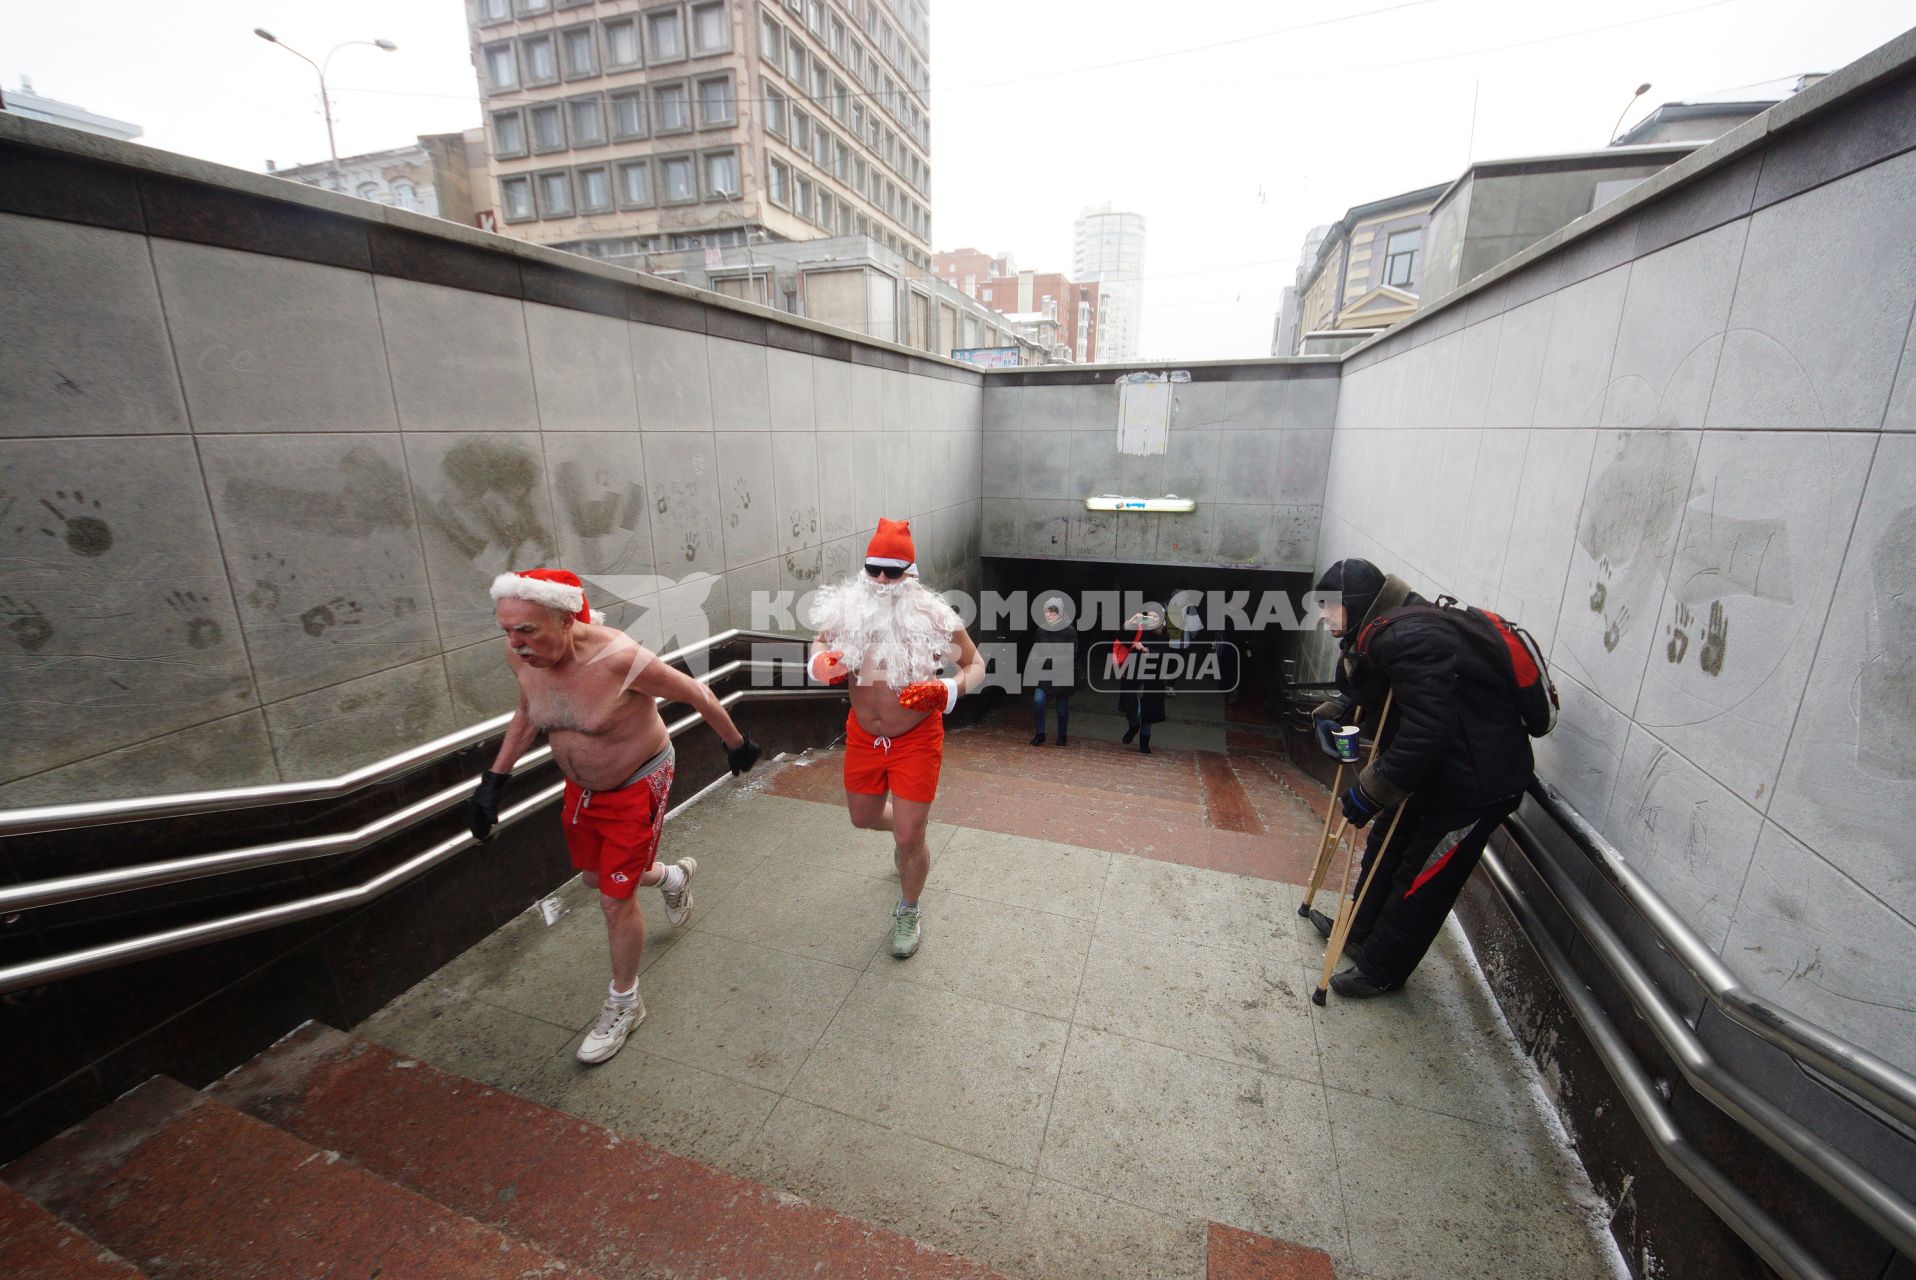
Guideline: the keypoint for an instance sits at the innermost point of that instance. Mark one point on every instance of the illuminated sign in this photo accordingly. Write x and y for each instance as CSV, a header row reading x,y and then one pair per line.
x,y
1170,502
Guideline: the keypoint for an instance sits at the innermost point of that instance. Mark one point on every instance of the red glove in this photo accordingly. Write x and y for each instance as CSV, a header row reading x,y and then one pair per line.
x,y
828,667
929,695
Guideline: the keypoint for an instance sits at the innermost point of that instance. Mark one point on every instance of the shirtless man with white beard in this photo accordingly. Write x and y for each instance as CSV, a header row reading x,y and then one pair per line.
x,y
591,690
890,635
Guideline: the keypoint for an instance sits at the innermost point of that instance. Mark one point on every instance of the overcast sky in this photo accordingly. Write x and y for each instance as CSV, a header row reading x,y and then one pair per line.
x,y
1233,125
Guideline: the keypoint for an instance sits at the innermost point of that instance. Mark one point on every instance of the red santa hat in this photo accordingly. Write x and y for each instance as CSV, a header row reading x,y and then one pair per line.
x,y
891,546
556,589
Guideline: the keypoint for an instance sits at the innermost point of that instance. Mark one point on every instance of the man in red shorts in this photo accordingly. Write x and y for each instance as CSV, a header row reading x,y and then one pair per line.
x,y
591,689
893,637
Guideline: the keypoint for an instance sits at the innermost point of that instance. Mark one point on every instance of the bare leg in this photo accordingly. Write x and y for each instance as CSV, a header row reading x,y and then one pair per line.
x,y
869,813
624,930
909,820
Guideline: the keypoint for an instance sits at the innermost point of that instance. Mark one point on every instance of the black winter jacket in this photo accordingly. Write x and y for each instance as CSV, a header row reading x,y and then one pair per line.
x,y
1455,740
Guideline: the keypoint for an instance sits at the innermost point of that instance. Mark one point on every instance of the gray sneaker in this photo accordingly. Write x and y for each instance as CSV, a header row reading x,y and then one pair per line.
x,y
679,905
608,1034
905,931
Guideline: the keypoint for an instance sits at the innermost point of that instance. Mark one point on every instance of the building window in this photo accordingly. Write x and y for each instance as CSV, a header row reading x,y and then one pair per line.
x,y
532,8
540,60
664,36
508,134
494,10
822,149
801,130
405,195
671,109
555,193
585,119
839,99
802,198
779,183
721,173
836,40
715,102
595,189
795,63
501,71
622,43
369,191
771,39
635,184
628,114
1400,258
581,52
841,159
711,28
548,128
677,179
774,112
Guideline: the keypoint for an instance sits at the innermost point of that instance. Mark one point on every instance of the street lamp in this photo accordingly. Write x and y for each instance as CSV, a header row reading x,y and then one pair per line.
x,y
1641,90
325,102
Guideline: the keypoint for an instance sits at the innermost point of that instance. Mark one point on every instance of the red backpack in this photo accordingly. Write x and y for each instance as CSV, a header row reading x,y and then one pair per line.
x,y
1510,649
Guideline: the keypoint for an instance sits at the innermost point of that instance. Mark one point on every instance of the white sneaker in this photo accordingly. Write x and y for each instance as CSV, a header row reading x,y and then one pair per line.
x,y
905,932
679,905
608,1034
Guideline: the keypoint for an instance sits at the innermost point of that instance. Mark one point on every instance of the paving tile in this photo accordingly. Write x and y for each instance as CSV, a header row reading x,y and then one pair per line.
x,y
993,951
697,1114
1070,1234
1165,900
805,911
1057,878
468,1037
1431,1195
944,1067
739,1010
886,1176
1187,1136
1249,1003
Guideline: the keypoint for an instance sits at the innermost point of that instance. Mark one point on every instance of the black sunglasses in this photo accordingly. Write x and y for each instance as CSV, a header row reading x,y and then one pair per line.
x,y
884,571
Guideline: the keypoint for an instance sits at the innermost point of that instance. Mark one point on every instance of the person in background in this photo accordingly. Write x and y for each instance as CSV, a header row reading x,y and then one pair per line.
x,y
1055,657
1141,688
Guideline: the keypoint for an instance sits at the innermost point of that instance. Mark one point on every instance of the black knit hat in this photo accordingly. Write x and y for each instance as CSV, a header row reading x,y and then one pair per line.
x,y
1357,582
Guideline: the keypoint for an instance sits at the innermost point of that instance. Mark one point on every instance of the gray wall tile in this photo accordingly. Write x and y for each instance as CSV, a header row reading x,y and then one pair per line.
x,y
459,360
789,377
832,394
795,466
837,483
484,508
673,376
331,730
117,618
321,543
1519,369
683,472
603,503
269,344
1816,331
1674,315
1576,363
1049,467
741,399
582,370
232,752
747,497
86,351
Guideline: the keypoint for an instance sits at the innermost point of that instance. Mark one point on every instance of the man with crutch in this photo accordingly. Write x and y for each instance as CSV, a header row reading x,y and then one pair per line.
x,y
1453,760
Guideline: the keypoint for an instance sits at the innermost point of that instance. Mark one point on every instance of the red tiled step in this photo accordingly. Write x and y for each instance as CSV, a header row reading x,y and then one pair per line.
x,y
617,1206
35,1243
187,1187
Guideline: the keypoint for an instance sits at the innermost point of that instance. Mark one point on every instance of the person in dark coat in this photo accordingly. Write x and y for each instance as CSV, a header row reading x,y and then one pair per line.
x,y
1455,756
1141,695
1054,658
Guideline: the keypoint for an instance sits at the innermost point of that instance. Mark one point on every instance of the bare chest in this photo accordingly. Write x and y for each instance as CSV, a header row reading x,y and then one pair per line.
x,y
579,702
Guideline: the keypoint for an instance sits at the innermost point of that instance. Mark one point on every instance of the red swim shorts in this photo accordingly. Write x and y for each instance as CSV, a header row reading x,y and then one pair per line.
x,y
906,766
615,834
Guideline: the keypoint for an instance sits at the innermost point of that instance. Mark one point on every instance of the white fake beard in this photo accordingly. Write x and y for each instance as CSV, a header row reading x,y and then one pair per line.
x,y
896,633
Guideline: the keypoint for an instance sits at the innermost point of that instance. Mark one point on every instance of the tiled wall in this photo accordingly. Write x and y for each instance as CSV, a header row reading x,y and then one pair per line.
x,y
254,491
1249,442
1681,449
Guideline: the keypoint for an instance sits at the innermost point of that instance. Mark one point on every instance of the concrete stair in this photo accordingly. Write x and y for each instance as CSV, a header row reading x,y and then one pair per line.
x,y
328,1155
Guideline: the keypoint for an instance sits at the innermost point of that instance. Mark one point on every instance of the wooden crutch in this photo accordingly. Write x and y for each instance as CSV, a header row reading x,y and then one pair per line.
x,y
1348,914
1326,846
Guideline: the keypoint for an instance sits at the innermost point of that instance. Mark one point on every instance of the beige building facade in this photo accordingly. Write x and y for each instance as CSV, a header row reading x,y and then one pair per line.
x,y
628,127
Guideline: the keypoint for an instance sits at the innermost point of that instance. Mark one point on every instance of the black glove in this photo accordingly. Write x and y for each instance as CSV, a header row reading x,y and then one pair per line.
x,y
1326,719
482,814
1359,807
742,757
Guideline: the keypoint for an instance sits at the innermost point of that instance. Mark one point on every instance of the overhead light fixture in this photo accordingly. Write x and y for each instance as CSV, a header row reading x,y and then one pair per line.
x,y
1169,503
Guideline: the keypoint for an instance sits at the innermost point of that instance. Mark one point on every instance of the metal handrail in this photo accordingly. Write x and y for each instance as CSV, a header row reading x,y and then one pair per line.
x,y
1749,1220
1849,1183
1879,1083
35,973
93,813
96,884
